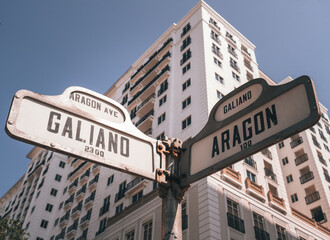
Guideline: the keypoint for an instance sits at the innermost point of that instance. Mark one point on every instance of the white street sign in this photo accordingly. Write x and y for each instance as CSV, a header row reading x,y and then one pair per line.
x,y
86,125
253,117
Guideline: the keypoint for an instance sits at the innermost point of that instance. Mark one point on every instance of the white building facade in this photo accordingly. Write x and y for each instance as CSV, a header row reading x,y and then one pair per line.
x,y
170,91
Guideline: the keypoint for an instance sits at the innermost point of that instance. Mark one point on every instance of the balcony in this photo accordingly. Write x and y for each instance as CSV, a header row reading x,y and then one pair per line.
x,y
96,169
73,186
267,153
310,221
255,190
217,52
150,87
119,195
81,193
216,39
146,121
166,46
232,176
68,203
235,222
276,202
146,106
64,219
270,174
306,177
72,230
84,222
312,197
296,142
261,234
232,52
76,210
312,129
151,74
235,67
302,158
89,201
135,185
84,177
248,66
104,209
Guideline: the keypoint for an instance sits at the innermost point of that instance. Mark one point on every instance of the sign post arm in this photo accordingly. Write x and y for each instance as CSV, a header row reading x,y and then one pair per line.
x,y
170,191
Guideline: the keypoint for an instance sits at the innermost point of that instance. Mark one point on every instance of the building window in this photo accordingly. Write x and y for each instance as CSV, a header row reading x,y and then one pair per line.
x,y
32,210
58,178
231,50
65,190
39,238
161,136
251,176
289,178
49,207
53,192
185,56
215,37
186,68
56,222
106,206
162,100
186,102
163,87
60,206
44,223
219,95
184,215
285,161
218,78
235,76
130,235
294,198
258,221
137,196
186,84
185,29
281,233
110,180
119,208
326,147
62,164
185,43
125,98
186,122
161,118
147,230
102,226
233,64
217,62
281,145
233,216
216,50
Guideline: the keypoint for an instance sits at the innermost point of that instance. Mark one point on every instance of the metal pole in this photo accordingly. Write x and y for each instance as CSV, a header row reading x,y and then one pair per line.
x,y
170,191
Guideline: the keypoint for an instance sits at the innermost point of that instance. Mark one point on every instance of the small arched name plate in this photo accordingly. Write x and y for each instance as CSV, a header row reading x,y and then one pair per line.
x,y
86,125
249,119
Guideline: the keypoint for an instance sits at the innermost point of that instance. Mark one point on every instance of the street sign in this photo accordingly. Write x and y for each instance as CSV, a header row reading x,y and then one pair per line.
x,y
249,119
86,125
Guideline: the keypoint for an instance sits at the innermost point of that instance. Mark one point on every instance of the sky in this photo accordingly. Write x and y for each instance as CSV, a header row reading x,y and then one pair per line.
x,y
47,46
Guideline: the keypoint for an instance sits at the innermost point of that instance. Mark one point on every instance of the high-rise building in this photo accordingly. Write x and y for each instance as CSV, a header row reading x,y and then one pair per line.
x,y
281,192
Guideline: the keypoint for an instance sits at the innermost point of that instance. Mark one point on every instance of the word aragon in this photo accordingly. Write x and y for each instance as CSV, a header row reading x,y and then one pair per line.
x,y
245,130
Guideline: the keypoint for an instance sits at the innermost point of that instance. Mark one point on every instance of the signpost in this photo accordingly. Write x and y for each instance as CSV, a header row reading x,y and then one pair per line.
x,y
249,119
86,125
90,126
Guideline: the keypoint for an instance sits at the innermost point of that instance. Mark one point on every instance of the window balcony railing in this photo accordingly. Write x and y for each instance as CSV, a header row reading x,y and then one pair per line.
x,y
165,69
320,217
152,56
152,96
232,52
104,209
316,143
217,52
151,113
215,38
322,160
248,65
235,222
235,175
120,195
306,177
312,129
255,187
261,234
296,142
270,174
327,177
312,197
302,158
133,183
251,162
235,67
